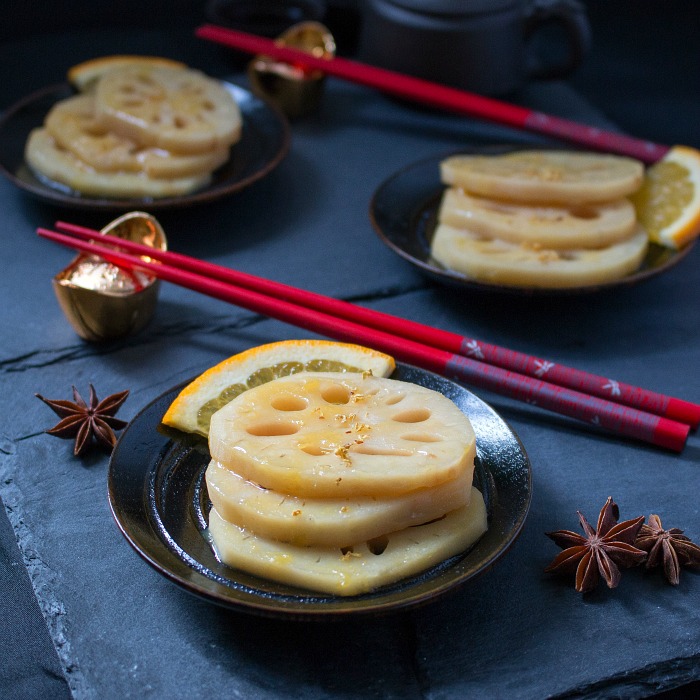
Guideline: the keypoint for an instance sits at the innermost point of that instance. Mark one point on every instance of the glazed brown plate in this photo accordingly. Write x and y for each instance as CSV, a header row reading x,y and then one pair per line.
x,y
264,143
159,500
404,209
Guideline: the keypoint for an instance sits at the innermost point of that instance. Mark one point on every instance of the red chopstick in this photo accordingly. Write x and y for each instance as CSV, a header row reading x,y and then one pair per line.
x,y
441,96
554,373
616,418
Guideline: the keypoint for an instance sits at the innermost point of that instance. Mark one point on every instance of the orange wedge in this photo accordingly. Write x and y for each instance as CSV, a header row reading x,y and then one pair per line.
x,y
668,202
193,408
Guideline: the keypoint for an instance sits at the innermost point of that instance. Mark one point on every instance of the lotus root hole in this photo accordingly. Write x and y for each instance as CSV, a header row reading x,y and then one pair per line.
x,y
414,415
421,437
313,450
273,429
335,393
583,212
378,544
394,399
381,451
289,402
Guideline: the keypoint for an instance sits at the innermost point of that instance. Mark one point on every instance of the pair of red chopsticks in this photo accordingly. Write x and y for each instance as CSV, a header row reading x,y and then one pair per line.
x,y
439,96
629,411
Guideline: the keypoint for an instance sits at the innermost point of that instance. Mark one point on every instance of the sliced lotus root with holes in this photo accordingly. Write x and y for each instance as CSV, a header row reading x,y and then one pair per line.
x,y
84,76
574,226
327,521
357,569
338,435
499,262
75,127
52,163
564,177
183,111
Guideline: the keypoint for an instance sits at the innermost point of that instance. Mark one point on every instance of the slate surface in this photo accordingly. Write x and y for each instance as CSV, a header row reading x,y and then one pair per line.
x,y
121,630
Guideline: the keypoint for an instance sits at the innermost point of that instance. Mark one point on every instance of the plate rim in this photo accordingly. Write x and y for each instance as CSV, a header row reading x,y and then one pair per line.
x,y
136,526
212,192
451,277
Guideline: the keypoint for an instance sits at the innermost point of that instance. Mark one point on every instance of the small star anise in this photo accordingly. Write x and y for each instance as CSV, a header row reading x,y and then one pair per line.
x,y
84,421
600,551
670,547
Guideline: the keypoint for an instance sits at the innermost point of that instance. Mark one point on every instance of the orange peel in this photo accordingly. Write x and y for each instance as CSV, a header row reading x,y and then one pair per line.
x,y
192,409
668,202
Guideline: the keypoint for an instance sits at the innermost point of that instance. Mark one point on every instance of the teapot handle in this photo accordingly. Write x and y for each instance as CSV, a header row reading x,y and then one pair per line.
x,y
571,16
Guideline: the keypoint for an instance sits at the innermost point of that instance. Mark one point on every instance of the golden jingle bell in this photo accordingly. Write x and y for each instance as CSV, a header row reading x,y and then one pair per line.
x,y
294,89
105,302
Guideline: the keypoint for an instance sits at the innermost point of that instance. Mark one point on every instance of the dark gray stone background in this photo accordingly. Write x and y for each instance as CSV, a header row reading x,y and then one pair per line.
x,y
121,630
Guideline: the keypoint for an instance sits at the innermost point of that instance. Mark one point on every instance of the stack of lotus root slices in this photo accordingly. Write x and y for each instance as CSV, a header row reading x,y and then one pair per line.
x,y
539,218
138,127
341,482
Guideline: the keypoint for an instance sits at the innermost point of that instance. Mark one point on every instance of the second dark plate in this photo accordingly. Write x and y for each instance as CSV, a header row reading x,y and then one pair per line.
x,y
159,500
264,143
404,211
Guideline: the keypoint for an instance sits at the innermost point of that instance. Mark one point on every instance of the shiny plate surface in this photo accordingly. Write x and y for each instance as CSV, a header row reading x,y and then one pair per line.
x,y
263,145
159,500
404,210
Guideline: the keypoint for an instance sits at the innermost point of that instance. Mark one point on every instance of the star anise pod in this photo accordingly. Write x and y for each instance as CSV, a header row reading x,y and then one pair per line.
x,y
598,552
668,547
87,422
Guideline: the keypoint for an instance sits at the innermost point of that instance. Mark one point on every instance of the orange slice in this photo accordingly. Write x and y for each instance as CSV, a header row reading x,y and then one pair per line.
x,y
668,202
193,408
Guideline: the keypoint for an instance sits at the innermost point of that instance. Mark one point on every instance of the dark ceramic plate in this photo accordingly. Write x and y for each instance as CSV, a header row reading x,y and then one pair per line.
x,y
158,497
264,143
404,211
